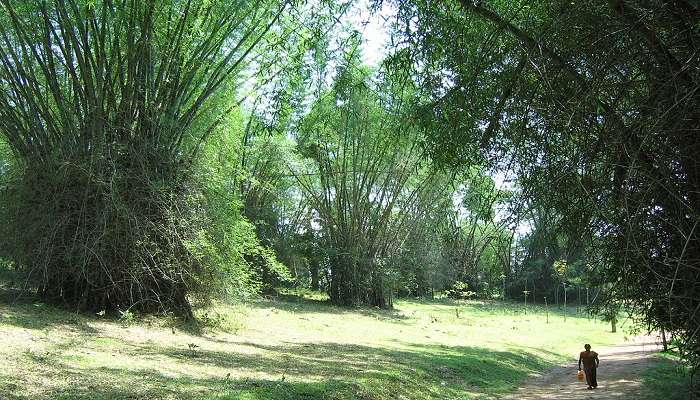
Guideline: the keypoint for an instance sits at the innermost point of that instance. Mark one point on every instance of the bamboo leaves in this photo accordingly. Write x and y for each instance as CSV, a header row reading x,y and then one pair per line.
x,y
106,105
366,182
122,72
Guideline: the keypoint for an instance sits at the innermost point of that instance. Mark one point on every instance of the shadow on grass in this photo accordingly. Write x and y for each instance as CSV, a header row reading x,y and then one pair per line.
x,y
669,379
301,305
22,309
110,383
290,371
323,370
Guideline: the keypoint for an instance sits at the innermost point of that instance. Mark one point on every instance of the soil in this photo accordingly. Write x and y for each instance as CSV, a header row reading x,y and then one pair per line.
x,y
619,375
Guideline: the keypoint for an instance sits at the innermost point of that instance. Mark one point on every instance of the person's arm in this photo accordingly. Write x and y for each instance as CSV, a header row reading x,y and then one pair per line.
x,y
597,361
579,361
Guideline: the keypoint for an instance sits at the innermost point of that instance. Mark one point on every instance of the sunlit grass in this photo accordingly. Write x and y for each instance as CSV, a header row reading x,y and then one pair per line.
x,y
292,347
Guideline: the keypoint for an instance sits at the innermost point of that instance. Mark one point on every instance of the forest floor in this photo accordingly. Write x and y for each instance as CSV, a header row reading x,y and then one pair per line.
x,y
293,347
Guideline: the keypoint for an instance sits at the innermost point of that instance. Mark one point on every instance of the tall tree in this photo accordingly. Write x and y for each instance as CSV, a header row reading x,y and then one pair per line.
x,y
367,175
106,106
597,104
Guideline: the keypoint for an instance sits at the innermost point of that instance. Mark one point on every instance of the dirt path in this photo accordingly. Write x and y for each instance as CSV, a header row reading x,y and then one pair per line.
x,y
618,375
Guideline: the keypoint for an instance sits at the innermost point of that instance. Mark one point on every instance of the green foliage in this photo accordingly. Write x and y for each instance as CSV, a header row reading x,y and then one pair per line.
x,y
126,317
271,201
364,177
460,290
579,100
562,268
230,243
105,108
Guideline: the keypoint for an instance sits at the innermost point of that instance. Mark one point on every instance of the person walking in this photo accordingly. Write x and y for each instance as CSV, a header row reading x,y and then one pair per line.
x,y
590,365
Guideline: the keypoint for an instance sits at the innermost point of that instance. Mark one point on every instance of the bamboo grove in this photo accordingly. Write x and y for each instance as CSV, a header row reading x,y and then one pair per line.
x,y
594,105
105,107
157,153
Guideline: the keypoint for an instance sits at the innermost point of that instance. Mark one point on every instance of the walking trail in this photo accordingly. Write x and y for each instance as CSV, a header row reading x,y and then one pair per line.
x,y
619,375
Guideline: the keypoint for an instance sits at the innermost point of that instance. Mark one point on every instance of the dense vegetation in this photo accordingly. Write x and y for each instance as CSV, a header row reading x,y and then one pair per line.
x,y
594,108
158,154
106,109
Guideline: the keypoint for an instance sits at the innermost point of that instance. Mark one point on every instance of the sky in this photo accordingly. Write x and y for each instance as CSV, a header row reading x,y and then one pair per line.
x,y
373,28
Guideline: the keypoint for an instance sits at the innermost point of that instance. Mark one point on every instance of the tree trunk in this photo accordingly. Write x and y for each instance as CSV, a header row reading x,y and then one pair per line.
x,y
313,270
380,295
663,339
564,303
578,298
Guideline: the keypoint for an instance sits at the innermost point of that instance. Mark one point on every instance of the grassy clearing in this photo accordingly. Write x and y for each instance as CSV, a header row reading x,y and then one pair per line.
x,y
292,347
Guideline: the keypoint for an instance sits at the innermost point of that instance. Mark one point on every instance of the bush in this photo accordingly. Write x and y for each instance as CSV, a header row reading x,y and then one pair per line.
x,y
460,290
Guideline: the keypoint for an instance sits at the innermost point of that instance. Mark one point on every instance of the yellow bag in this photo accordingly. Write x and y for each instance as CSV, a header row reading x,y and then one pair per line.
x,y
580,375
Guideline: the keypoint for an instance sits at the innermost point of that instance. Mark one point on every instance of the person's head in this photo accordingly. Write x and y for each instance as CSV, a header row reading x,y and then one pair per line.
x,y
587,347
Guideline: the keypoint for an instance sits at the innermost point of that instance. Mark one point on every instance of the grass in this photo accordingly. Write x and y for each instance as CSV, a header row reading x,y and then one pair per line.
x,y
667,379
293,347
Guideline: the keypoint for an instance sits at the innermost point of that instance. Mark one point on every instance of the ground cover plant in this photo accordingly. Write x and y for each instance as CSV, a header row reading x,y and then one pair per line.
x,y
288,348
668,378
